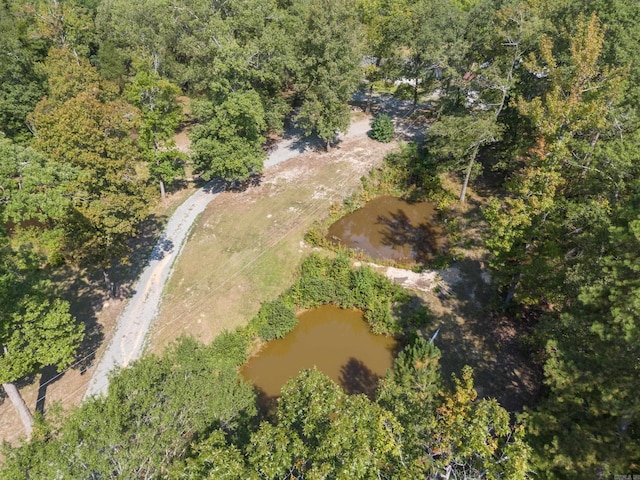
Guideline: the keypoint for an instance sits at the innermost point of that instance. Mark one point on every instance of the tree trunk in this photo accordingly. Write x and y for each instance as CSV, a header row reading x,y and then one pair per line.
x,y
327,145
162,191
463,192
512,290
20,406
415,92
156,62
111,286
367,106
589,156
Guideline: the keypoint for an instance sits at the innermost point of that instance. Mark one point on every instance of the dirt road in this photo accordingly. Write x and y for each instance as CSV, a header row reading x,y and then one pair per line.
x,y
128,341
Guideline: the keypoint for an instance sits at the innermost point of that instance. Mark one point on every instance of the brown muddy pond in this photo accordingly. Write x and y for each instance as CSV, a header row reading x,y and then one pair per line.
x,y
338,342
389,228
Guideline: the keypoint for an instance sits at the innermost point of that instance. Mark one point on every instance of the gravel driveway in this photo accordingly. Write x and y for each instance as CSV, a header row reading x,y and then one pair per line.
x,y
133,325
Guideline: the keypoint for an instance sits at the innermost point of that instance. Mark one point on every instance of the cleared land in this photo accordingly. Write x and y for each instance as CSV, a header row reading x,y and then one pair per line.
x,y
247,245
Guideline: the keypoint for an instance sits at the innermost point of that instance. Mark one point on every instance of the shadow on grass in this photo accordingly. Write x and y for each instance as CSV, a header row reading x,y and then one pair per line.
x,y
47,376
254,180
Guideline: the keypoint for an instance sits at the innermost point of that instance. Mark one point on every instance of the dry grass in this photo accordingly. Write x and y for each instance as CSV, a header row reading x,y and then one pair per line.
x,y
245,249
247,246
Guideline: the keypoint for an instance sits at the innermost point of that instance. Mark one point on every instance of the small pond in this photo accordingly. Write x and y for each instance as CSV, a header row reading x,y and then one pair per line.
x,y
338,342
389,228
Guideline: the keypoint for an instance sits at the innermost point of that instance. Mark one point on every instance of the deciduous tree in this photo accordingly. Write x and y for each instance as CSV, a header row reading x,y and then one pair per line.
x,y
328,47
456,141
321,432
154,409
161,114
448,432
22,85
91,130
36,194
571,117
36,329
228,142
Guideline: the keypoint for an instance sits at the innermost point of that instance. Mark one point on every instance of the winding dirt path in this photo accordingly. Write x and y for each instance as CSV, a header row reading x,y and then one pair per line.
x,y
132,327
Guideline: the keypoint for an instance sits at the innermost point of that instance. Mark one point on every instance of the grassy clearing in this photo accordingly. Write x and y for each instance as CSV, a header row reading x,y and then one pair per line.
x,y
246,248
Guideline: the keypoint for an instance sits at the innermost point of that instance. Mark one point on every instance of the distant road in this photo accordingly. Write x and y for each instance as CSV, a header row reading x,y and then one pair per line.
x,y
133,324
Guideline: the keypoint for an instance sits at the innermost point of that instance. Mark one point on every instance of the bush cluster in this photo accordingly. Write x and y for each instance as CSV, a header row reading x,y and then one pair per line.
x,y
275,319
332,281
382,128
228,350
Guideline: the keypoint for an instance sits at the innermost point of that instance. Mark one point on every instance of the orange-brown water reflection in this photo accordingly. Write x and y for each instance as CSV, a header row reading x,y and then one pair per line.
x,y
389,228
338,342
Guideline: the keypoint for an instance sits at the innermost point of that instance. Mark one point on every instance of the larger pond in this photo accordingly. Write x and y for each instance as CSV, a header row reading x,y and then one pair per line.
x,y
389,228
338,342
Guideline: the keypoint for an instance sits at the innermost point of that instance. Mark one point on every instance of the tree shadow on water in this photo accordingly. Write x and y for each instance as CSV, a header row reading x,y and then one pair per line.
x,y
267,404
422,239
356,377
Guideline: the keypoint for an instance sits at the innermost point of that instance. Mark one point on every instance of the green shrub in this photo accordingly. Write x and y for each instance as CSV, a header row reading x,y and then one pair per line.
x,y
352,203
379,317
333,281
363,285
315,236
229,350
311,292
275,319
340,270
382,128
404,91
314,266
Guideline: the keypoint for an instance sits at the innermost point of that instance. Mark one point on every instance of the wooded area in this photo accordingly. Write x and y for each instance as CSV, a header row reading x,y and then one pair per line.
x,y
536,99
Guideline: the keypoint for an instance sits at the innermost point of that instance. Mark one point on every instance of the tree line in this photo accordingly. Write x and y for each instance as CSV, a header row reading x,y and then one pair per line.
x,y
541,95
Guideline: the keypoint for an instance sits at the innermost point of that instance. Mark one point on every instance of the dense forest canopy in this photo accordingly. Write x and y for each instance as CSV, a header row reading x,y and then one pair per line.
x,y
541,97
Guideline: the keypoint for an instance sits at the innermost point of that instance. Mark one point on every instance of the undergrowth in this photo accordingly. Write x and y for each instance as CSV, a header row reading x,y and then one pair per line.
x,y
334,281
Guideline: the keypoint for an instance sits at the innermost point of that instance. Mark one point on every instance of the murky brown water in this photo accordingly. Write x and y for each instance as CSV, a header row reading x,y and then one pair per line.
x,y
338,342
389,228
